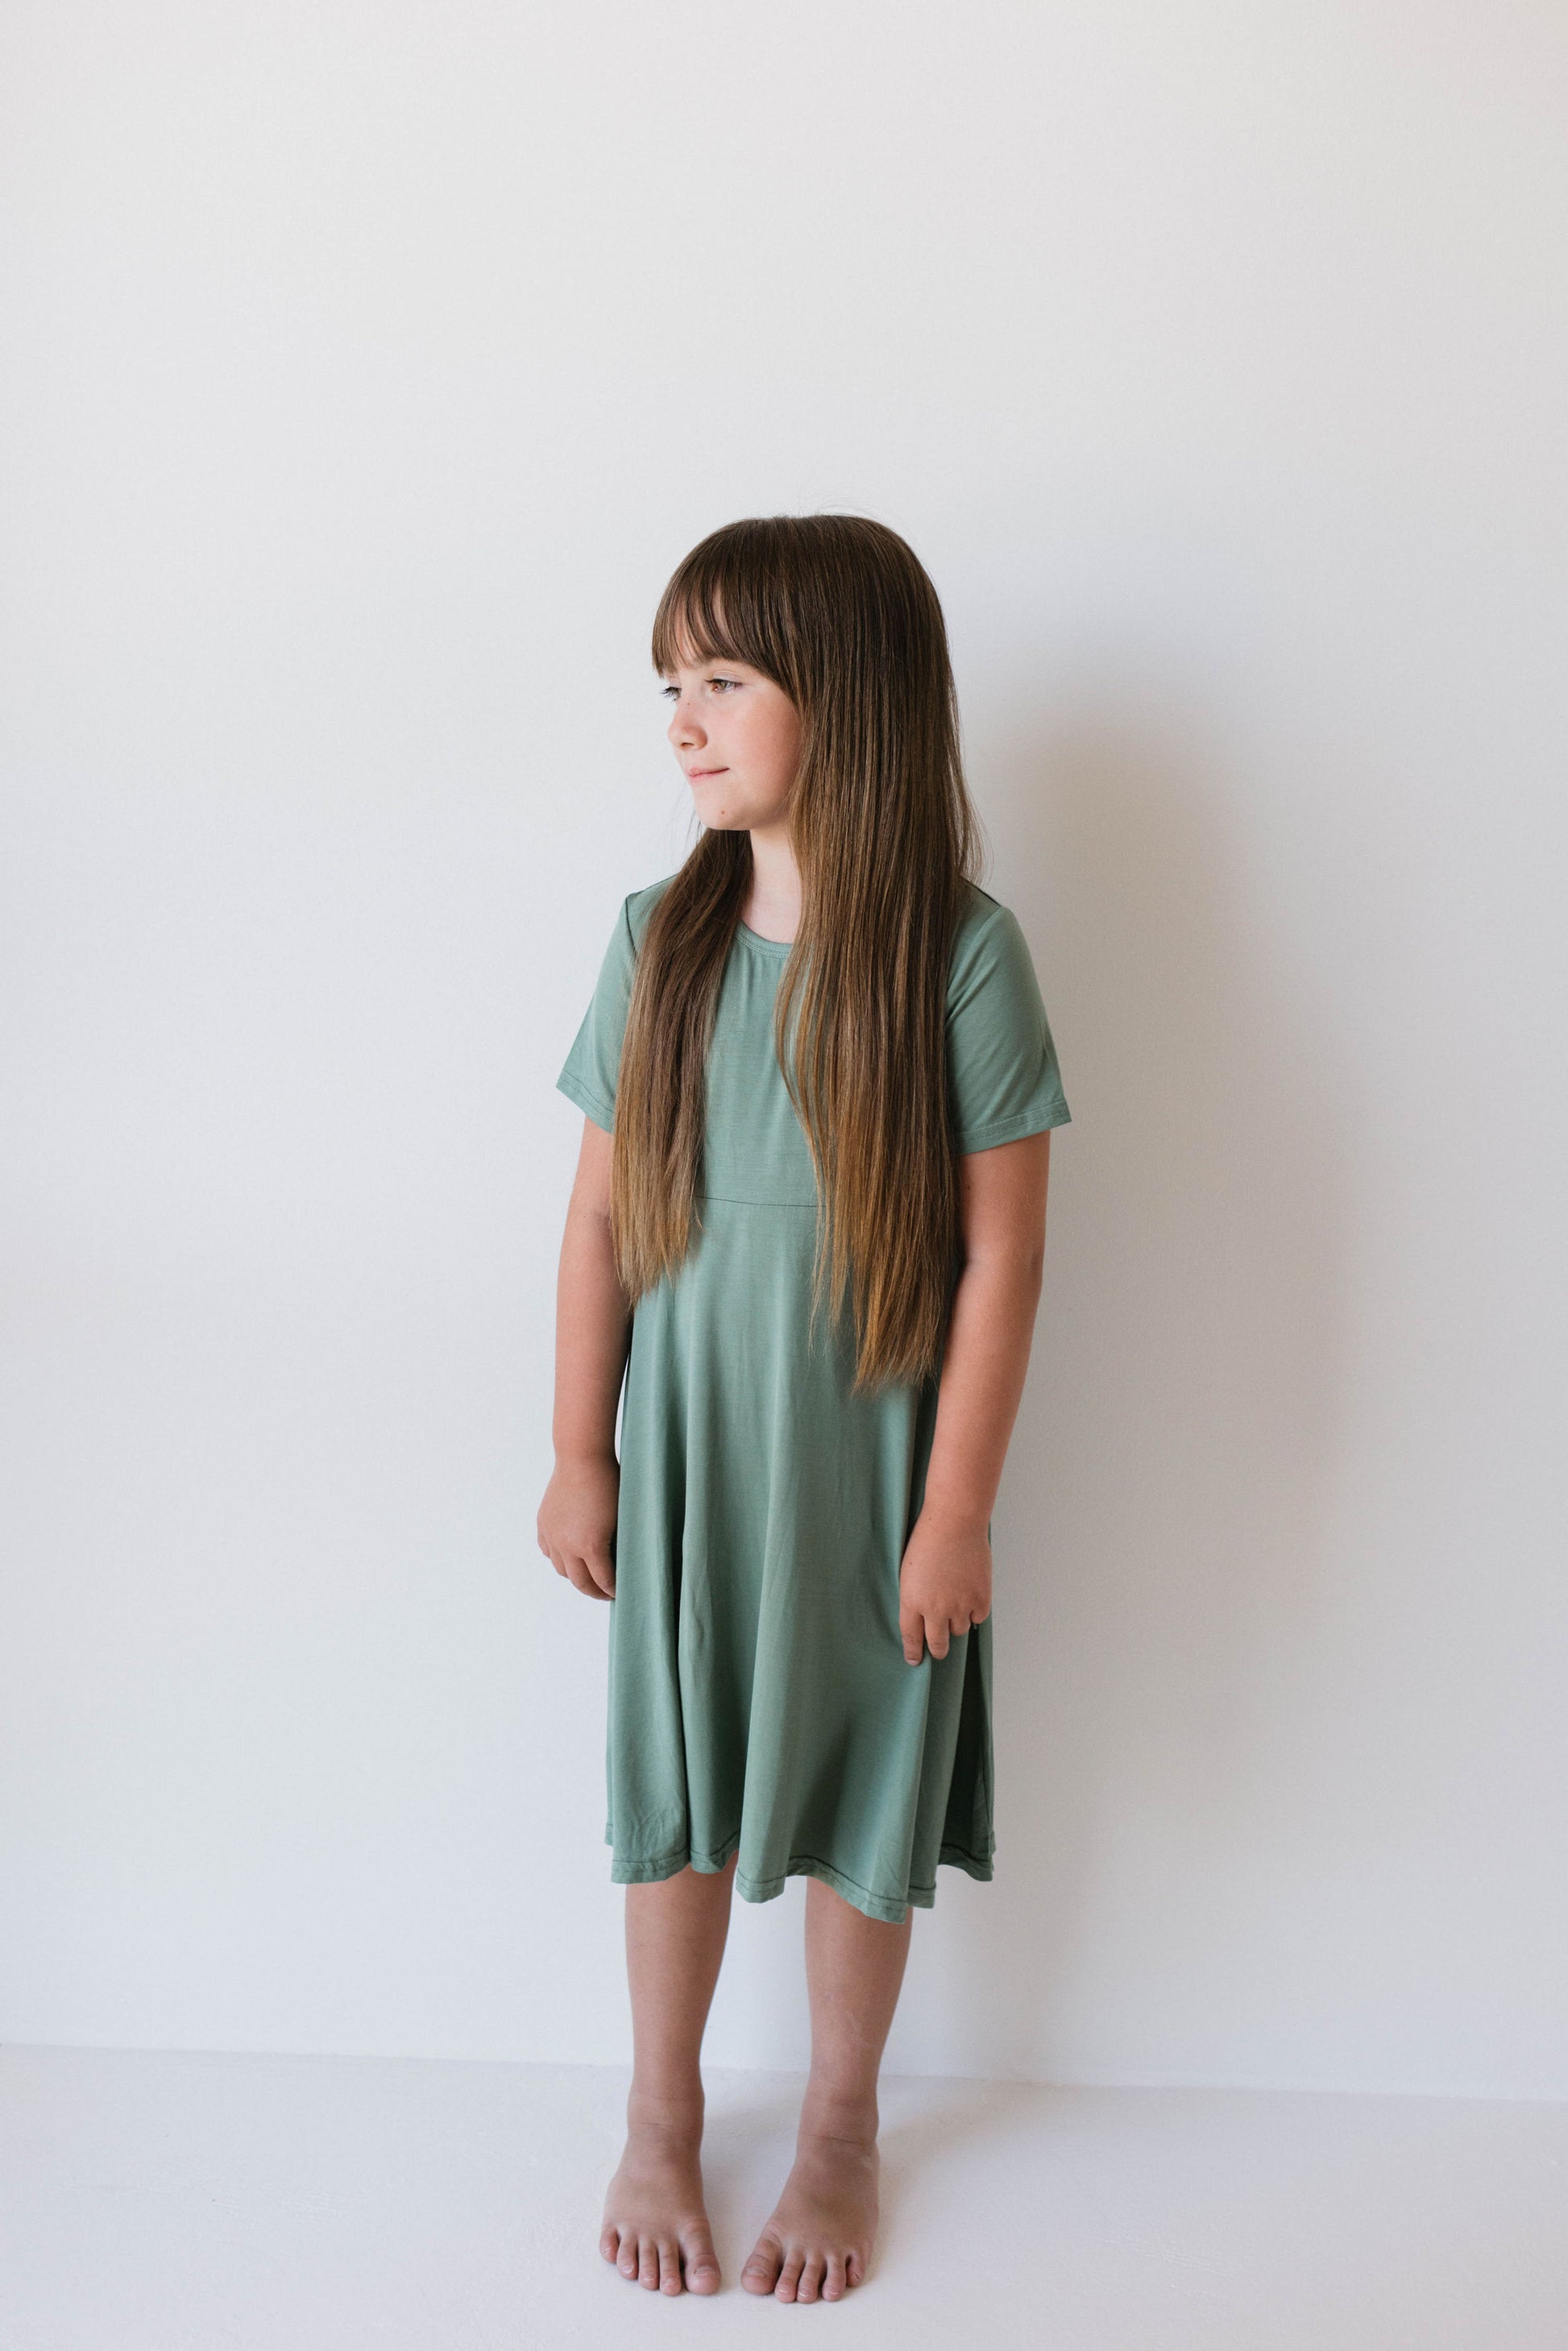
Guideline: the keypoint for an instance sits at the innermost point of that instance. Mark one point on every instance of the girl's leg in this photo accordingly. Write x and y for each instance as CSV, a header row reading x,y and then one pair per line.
x,y
819,2238
655,2223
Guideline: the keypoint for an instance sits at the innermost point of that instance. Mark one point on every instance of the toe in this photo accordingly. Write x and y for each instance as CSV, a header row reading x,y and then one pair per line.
x,y
609,2240
789,2275
669,2266
835,2283
700,2262
812,2269
648,2263
854,2270
626,2259
761,2271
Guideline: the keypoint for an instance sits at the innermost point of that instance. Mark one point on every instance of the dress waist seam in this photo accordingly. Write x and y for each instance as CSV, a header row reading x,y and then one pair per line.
x,y
747,1200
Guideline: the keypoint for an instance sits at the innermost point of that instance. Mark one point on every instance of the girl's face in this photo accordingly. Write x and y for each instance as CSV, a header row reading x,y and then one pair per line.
x,y
738,738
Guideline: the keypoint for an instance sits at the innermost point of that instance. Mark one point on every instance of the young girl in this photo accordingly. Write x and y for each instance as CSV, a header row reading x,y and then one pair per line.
x,y
808,1228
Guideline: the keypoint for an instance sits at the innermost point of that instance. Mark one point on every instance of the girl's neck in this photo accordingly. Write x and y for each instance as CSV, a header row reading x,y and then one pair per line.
x,y
772,905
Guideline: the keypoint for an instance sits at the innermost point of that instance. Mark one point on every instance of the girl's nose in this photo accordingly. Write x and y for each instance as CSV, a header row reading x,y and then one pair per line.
x,y
683,727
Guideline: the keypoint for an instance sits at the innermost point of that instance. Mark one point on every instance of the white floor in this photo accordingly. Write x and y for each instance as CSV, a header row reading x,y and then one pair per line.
x,y
155,2202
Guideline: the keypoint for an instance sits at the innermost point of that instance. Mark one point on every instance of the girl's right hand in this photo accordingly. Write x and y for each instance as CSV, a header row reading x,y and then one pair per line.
x,y
577,1523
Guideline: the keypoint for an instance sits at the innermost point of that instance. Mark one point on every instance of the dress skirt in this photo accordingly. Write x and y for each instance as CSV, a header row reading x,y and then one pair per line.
x,y
761,1702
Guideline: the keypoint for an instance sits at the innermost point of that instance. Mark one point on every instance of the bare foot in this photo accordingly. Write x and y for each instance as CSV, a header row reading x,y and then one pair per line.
x,y
655,2222
818,2241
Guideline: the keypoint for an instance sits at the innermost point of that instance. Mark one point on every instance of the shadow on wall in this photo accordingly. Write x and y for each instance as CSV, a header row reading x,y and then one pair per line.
x,y
1159,1532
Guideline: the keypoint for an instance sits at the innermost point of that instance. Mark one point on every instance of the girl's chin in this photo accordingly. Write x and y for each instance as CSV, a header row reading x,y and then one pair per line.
x,y
720,815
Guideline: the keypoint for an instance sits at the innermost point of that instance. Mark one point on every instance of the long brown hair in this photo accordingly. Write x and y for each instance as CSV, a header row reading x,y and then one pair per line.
x,y
838,611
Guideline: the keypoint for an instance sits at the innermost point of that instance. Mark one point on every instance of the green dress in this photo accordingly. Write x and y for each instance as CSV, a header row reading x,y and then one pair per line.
x,y
760,1696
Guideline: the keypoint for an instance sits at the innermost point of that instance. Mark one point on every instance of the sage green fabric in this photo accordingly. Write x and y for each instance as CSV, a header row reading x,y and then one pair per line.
x,y
759,1698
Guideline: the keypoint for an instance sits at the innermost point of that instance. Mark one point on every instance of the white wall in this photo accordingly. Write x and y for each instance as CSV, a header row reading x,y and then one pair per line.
x,y
369,368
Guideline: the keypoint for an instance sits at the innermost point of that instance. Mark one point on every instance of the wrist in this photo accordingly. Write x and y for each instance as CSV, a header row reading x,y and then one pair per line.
x,y
945,1515
574,1455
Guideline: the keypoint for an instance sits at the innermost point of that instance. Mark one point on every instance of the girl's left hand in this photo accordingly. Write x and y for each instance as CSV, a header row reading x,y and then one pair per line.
x,y
944,1586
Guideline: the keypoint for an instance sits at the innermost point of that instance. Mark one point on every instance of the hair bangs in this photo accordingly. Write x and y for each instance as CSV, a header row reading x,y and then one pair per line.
x,y
723,604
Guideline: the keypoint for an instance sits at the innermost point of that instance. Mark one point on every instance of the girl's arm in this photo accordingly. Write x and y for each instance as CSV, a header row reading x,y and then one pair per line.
x,y
592,1333
946,1580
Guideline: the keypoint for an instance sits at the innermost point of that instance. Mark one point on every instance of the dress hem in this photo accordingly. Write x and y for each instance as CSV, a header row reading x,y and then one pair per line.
x,y
627,1871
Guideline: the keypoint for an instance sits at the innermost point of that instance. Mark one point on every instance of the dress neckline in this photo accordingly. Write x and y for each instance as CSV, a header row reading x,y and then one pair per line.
x,y
769,946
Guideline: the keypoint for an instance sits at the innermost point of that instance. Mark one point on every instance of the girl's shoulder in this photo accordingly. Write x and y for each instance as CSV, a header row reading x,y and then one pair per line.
x,y
976,908
987,931
639,905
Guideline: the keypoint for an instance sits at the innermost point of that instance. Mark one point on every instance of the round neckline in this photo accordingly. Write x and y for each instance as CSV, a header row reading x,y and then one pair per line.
x,y
772,946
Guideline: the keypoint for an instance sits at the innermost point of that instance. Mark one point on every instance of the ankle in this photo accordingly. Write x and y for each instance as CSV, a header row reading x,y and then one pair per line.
x,y
667,2110
832,2114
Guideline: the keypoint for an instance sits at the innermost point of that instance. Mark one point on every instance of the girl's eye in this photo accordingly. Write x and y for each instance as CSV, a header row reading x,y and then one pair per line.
x,y
672,693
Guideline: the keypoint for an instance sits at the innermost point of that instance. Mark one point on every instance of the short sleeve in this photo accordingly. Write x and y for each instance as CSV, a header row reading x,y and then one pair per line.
x,y
592,1068
1003,1077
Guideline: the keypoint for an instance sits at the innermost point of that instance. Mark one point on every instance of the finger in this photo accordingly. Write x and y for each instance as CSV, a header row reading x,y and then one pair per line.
x,y
911,1628
582,1581
601,1568
936,1630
